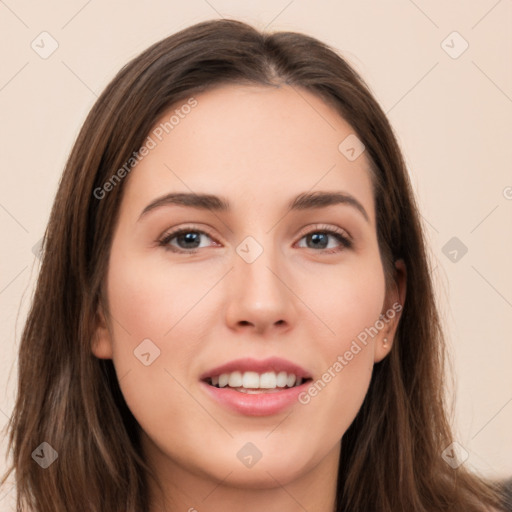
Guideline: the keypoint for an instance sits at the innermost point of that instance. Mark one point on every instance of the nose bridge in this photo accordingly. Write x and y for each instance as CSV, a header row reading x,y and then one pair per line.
x,y
257,293
256,263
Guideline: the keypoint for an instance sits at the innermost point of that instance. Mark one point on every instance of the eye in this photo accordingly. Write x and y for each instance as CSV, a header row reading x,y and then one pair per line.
x,y
319,239
187,240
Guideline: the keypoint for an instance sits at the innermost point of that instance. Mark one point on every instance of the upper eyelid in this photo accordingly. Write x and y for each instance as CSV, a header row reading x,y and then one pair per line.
x,y
325,227
177,231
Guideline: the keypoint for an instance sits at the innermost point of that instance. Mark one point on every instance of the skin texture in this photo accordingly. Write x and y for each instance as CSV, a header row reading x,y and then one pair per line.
x,y
258,147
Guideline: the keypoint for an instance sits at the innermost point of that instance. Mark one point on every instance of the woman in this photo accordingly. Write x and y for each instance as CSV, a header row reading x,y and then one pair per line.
x,y
234,305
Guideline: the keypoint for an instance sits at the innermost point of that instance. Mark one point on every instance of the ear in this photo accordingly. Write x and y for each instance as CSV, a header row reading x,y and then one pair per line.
x,y
391,312
101,345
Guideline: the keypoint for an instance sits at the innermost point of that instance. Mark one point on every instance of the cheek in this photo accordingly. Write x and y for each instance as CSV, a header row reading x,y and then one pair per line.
x,y
157,312
151,340
348,302
151,300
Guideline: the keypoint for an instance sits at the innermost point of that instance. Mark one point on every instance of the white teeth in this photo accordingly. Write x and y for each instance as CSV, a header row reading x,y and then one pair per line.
x,y
291,380
249,380
268,380
282,379
253,380
235,380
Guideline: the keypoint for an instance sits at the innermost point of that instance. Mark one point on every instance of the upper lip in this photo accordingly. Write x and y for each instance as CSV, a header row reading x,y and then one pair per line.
x,y
271,364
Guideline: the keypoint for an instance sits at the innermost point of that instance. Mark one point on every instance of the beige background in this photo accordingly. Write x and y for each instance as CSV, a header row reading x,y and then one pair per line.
x,y
452,117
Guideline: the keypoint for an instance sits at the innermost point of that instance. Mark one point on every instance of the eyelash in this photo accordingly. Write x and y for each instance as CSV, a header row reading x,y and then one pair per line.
x,y
344,240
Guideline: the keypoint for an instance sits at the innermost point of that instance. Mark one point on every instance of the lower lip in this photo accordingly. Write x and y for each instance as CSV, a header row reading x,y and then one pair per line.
x,y
257,404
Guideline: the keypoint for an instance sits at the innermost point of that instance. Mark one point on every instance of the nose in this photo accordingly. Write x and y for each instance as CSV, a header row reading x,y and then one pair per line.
x,y
260,300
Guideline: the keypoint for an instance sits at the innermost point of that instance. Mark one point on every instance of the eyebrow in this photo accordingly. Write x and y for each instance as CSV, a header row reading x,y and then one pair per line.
x,y
304,201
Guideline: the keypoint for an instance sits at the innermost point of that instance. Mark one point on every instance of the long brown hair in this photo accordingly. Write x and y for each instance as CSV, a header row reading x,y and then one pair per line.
x,y
391,455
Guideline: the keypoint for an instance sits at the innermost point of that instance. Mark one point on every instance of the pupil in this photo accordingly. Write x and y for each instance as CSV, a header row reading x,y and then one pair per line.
x,y
315,238
189,237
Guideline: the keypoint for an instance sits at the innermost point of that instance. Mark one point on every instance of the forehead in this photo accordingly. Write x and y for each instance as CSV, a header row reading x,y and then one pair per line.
x,y
251,143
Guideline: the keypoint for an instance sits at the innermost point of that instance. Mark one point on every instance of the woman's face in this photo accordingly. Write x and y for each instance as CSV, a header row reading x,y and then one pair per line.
x,y
253,281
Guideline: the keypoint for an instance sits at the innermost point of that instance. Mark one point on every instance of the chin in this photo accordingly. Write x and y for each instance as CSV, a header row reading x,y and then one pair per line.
x,y
271,470
263,476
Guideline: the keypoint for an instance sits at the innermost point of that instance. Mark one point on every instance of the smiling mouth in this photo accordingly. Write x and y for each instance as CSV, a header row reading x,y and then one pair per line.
x,y
254,383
